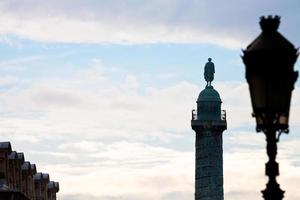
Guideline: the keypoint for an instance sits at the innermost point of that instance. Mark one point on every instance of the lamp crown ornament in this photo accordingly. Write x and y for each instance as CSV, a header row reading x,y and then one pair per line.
x,y
269,24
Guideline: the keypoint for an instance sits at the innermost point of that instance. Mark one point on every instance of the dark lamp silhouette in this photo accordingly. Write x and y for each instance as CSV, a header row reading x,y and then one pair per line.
x,y
269,62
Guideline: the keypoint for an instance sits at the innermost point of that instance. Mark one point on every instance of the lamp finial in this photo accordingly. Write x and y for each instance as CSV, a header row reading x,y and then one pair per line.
x,y
269,24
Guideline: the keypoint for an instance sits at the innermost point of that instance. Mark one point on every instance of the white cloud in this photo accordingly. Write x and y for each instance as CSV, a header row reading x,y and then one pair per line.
x,y
100,138
120,168
236,102
140,22
7,81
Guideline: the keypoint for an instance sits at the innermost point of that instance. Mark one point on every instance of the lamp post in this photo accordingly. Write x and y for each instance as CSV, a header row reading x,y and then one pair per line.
x,y
269,62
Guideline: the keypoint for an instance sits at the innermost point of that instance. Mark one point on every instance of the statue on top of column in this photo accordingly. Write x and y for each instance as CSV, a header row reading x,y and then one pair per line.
x,y
209,71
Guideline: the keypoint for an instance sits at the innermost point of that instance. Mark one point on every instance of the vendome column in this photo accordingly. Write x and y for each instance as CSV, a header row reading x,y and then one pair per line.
x,y
209,122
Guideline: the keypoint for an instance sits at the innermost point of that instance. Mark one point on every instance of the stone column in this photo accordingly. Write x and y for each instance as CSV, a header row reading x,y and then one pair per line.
x,y
209,122
209,166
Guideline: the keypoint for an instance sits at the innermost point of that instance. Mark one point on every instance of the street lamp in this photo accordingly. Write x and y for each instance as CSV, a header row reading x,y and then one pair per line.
x,y
269,62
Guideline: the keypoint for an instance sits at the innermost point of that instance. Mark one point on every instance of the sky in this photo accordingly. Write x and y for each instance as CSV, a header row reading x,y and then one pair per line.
x,y
99,94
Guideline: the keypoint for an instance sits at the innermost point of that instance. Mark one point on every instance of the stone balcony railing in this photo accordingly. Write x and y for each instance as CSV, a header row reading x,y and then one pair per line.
x,y
195,115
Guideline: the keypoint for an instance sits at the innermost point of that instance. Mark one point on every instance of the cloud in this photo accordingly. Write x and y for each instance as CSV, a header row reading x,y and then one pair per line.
x,y
7,81
133,22
106,140
136,169
238,109
171,195
90,103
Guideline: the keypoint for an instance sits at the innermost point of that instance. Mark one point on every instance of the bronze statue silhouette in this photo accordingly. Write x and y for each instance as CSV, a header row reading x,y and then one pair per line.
x,y
209,71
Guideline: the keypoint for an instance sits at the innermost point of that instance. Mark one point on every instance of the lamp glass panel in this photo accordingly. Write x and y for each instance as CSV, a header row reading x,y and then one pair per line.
x,y
283,120
259,120
258,93
278,95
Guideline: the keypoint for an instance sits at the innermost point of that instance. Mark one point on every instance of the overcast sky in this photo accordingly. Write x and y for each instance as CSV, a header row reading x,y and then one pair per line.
x,y
99,93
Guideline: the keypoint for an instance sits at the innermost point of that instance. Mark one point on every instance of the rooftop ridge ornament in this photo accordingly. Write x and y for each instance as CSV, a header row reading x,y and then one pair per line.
x,y
209,71
269,24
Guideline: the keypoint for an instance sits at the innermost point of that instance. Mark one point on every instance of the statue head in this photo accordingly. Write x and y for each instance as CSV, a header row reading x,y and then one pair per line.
x,y
209,59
